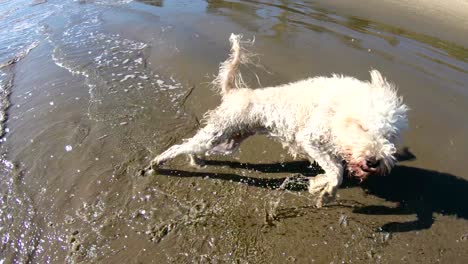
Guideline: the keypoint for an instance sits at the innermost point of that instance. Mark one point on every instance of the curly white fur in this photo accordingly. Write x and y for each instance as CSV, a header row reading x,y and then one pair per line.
x,y
340,122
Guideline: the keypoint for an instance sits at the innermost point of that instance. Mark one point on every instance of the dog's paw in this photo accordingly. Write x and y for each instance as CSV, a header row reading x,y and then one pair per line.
x,y
196,162
323,199
323,188
317,184
156,163
147,171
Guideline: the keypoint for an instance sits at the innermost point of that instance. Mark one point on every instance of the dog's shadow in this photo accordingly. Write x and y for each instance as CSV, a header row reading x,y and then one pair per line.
x,y
297,182
417,191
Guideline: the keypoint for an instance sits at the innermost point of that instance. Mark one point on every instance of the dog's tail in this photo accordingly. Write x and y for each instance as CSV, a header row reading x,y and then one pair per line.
x,y
229,76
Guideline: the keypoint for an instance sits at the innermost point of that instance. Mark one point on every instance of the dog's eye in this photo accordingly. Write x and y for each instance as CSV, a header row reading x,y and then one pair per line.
x,y
354,123
362,127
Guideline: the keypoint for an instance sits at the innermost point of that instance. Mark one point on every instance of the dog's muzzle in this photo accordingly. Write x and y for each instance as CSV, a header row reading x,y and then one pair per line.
x,y
371,166
365,168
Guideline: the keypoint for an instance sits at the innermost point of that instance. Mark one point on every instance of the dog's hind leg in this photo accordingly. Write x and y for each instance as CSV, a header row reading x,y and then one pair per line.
x,y
231,145
205,139
227,147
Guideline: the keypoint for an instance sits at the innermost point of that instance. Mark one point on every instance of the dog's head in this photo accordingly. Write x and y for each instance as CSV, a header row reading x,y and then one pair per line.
x,y
368,133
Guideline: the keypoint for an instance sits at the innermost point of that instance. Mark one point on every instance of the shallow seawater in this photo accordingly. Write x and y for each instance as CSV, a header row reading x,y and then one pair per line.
x,y
90,91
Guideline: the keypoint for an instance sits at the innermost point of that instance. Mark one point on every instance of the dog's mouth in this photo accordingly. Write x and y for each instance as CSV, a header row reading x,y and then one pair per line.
x,y
361,171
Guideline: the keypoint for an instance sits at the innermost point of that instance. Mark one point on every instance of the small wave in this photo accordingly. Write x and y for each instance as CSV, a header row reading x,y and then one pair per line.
x,y
115,70
20,55
6,82
19,25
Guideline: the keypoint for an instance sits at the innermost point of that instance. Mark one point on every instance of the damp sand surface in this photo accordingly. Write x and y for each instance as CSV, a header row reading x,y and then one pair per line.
x,y
92,90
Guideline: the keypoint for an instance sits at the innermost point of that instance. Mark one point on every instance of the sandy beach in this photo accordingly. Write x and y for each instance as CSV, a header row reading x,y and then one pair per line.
x,y
444,19
91,91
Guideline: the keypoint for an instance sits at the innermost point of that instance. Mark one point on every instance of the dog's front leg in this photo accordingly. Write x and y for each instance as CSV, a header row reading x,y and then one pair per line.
x,y
325,185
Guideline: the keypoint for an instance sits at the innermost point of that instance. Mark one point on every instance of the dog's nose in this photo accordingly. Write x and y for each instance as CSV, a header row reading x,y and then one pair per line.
x,y
372,163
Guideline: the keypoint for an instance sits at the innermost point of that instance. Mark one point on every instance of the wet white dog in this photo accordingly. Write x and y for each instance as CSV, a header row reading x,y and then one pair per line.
x,y
340,122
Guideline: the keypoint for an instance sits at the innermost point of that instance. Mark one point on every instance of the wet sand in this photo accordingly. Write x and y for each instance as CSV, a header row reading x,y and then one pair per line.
x,y
447,20
111,84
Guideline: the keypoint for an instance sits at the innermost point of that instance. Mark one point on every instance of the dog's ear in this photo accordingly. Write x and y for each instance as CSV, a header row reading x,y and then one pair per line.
x,y
377,79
